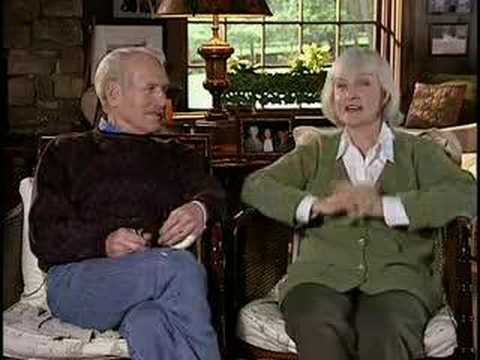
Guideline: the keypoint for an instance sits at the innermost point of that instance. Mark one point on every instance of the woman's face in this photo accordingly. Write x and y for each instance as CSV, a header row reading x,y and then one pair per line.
x,y
357,97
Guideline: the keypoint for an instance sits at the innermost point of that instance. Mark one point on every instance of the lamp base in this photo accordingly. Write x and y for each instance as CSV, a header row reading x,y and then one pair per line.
x,y
217,115
215,55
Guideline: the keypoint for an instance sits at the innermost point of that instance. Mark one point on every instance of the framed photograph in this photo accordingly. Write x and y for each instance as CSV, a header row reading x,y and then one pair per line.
x,y
448,39
136,9
449,6
265,137
109,37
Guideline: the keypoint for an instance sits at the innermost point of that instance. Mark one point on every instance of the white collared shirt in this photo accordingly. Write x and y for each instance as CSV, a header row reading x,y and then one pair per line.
x,y
366,171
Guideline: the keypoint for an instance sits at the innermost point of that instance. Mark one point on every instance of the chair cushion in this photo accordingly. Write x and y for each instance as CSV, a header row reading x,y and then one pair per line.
x,y
470,81
469,163
34,290
32,332
435,105
261,324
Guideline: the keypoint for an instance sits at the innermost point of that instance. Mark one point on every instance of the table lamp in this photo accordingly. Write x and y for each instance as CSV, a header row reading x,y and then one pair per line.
x,y
216,51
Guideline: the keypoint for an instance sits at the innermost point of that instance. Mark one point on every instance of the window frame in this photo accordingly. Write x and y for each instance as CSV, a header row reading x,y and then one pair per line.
x,y
387,22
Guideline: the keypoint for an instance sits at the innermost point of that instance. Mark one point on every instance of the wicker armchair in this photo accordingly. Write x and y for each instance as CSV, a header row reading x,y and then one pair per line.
x,y
23,341
264,247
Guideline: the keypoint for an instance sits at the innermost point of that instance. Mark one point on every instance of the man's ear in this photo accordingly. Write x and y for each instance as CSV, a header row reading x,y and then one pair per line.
x,y
113,93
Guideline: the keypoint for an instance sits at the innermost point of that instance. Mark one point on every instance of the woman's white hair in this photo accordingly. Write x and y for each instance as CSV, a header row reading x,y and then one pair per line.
x,y
111,67
358,58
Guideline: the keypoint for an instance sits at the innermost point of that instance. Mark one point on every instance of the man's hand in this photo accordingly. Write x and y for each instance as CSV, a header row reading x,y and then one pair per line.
x,y
183,221
125,241
354,201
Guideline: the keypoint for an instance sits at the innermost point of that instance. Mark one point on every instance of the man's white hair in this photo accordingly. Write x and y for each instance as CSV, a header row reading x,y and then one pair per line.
x,y
111,67
370,61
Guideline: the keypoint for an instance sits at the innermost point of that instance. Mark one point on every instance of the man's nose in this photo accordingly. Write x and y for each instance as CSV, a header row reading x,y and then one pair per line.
x,y
161,96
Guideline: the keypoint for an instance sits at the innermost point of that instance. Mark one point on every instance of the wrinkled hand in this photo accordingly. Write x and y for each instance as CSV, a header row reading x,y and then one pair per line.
x,y
355,201
364,200
124,241
183,221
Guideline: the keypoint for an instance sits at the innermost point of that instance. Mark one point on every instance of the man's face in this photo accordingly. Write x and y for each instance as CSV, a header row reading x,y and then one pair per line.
x,y
139,106
357,97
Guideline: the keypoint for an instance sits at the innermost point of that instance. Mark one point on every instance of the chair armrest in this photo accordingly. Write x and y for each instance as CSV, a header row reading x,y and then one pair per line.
x,y
458,279
211,255
11,227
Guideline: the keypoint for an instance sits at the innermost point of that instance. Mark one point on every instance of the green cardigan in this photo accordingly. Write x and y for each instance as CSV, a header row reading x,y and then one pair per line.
x,y
345,253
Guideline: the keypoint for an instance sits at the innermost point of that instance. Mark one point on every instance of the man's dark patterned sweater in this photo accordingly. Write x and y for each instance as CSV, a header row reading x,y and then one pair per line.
x,y
90,184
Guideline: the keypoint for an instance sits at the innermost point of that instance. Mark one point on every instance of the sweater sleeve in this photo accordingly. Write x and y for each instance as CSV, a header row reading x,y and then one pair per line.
x,y
445,190
59,233
198,185
277,190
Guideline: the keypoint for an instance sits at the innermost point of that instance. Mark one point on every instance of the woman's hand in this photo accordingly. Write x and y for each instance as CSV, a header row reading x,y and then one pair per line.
x,y
354,201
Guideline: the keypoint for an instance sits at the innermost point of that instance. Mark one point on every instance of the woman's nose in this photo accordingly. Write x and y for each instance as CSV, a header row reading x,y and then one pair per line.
x,y
351,92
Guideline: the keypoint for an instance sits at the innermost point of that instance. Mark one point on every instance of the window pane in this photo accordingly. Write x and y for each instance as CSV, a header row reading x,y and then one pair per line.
x,y
322,35
319,10
356,10
283,10
357,35
198,34
198,97
247,42
281,44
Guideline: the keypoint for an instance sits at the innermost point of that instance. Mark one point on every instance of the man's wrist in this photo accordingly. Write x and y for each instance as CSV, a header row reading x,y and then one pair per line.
x,y
203,209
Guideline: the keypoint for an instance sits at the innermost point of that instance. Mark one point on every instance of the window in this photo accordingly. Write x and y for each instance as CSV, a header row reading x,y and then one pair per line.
x,y
271,43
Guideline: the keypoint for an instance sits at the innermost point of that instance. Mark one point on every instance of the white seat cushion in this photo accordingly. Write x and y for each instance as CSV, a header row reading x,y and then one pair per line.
x,y
30,332
261,324
34,280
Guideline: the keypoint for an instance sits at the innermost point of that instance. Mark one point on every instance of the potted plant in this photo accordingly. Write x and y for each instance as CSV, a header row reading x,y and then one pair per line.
x,y
300,85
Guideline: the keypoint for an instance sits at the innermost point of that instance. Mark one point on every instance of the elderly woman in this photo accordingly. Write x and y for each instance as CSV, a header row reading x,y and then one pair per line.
x,y
370,199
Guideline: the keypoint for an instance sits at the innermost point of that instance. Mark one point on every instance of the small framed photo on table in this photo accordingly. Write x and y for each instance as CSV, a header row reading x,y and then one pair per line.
x,y
265,137
449,6
449,39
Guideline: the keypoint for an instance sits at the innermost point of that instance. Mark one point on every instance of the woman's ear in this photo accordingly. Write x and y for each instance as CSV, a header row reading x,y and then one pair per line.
x,y
386,99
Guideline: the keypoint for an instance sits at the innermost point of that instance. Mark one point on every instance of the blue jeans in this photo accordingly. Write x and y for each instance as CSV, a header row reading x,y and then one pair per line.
x,y
157,299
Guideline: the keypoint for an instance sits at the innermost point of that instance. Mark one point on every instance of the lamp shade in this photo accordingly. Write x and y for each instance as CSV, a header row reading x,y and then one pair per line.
x,y
185,8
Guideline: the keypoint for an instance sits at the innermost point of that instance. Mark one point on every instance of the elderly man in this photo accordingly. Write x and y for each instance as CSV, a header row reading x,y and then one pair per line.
x,y
110,207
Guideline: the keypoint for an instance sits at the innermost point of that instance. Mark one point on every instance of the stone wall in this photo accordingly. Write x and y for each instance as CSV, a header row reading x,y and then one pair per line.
x,y
44,41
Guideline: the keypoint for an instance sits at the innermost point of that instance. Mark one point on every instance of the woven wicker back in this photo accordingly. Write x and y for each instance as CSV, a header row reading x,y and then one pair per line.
x,y
262,245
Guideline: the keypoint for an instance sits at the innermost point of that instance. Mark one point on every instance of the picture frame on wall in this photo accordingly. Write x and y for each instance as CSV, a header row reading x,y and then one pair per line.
x,y
109,37
449,39
265,137
449,6
134,9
